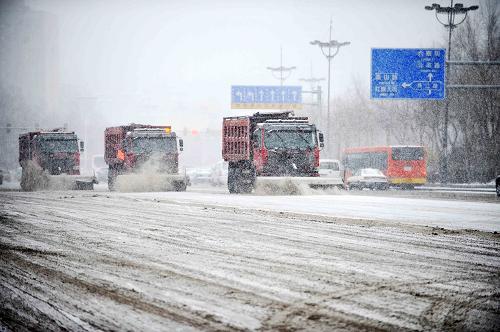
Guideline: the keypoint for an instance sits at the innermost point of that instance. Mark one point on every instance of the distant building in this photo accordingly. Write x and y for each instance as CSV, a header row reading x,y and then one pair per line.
x,y
29,53
29,67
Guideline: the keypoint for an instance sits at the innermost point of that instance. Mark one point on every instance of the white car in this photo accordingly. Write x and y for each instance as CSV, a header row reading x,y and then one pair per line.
x,y
330,169
199,175
218,177
370,178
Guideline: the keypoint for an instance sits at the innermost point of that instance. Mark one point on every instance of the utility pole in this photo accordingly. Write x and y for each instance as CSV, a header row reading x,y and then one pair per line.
x,y
450,13
284,72
333,47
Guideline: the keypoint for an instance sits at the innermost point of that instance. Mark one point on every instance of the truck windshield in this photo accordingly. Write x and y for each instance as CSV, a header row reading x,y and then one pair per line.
x,y
52,145
291,139
154,144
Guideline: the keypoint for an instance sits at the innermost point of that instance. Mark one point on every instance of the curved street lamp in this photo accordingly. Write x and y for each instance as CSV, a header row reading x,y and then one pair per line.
x,y
329,49
281,70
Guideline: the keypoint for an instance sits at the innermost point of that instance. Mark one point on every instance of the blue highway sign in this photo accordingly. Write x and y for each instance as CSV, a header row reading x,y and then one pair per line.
x,y
266,97
408,73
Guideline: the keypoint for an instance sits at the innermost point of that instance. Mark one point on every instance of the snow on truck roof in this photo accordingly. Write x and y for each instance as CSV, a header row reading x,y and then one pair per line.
x,y
163,131
57,133
286,121
48,133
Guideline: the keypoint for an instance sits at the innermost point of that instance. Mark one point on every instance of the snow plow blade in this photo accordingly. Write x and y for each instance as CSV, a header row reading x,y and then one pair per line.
x,y
150,182
293,185
34,178
70,182
61,182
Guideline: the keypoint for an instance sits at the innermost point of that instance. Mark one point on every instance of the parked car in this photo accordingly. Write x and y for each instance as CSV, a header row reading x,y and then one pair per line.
x,y
497,185
370,178
218,176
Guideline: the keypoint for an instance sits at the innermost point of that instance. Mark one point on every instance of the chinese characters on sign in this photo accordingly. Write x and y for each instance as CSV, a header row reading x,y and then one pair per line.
x,y
408,73
266,97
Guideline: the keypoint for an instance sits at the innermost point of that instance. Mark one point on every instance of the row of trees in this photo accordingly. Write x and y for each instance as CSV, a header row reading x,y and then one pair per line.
x,y
474,114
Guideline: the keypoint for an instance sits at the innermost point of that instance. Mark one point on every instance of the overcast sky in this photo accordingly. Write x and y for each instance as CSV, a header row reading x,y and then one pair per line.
x,y
178,59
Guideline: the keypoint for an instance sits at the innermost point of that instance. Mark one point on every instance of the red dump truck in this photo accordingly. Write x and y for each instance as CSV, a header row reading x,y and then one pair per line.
x,y
51,160
272,149
143,156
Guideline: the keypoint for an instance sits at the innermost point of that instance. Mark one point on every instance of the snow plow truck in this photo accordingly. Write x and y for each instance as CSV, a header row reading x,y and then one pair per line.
x,y
277,151
50,160
143,158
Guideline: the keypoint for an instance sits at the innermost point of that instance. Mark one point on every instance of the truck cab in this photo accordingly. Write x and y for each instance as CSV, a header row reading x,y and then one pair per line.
x,y
56,152
144,149
51,160
154,146
286,148
270,146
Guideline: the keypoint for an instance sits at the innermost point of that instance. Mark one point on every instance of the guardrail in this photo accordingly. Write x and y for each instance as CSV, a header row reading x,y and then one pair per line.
x,y
479,188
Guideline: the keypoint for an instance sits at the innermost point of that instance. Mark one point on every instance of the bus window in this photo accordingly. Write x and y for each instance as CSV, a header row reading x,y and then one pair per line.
x,y
357,161
407,153
376,160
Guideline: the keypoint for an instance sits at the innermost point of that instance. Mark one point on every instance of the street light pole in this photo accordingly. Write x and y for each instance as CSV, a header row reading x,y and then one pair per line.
x,y
333,47
451,13
281,70
315,90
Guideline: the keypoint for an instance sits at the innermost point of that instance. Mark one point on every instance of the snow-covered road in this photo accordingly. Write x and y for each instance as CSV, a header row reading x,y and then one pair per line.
x,y
204,261
452,214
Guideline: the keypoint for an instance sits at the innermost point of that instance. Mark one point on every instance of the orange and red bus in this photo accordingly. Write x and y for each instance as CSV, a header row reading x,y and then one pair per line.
x,y
403,165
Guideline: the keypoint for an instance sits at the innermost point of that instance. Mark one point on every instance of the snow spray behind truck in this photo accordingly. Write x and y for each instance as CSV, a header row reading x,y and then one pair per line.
x,y
274,150
51,160
143,158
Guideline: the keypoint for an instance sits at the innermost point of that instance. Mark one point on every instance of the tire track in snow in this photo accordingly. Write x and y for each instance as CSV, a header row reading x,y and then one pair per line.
x,y
266,269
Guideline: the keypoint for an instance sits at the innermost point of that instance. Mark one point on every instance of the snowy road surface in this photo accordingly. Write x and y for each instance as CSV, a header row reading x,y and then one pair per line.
x,y
426,212
201,261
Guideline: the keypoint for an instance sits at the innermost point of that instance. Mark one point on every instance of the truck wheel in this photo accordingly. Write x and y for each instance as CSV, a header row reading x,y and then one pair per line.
x,y
24,184
243,187
231,179
238,177
180,186
112,173
231,187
